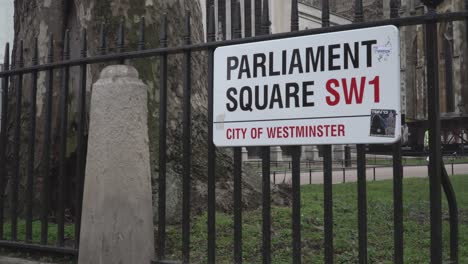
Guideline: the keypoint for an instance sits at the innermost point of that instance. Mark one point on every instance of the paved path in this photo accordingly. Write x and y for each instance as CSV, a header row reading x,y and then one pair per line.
x,y
381,173
8,260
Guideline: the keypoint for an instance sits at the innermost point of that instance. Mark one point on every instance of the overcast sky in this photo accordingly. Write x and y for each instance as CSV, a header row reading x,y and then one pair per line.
x,y
6,25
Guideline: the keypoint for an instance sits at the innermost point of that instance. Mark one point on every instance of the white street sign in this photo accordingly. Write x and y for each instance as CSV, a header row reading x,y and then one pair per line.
x,y
334,88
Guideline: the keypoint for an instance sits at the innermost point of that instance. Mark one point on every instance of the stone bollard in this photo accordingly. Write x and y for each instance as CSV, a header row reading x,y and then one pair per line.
x,y
276,154
117,217
245,154
311,153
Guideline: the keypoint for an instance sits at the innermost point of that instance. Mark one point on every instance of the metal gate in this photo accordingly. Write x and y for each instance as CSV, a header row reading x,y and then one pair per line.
x,y
11,172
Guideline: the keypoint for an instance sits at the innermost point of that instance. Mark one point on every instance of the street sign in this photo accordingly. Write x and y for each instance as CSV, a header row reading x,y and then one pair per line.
x,y
334,88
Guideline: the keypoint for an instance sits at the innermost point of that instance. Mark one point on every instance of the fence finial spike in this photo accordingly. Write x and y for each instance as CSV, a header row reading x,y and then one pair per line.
x,y
325,13
394,8
102,39
141,42
84,43
295,15
50,53
237,21
6,57
35,52
211,25
121,37
20,61
163,31
266,18
247,19
188,28
66,47
358,11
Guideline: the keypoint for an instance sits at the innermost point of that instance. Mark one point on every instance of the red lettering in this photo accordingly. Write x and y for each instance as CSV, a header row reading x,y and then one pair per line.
x,y
279,132
333,131
330,86
376,83
271,131
319,131
326,130
236,133
341,132
353,92
300,131
312,131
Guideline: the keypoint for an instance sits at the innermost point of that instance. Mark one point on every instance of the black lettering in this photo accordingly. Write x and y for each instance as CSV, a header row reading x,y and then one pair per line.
x,y
232,64
350,55
292,94
272,72
310,58
296,62
276,97
332,56
244,67
245,106
283,62
257,97
229,94
259,62
306,93
368,44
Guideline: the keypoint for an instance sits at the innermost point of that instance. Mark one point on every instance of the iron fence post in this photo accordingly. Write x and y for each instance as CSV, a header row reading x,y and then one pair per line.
x,y
47,148
31,148
162,143
187,133
211,147
16,147
81,141
237,34
434,141
4,135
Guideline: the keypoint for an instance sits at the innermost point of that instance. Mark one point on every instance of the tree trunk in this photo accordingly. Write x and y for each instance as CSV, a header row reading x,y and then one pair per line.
x,y
43,17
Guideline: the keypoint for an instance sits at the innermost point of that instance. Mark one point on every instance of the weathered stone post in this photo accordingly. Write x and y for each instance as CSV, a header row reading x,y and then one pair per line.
x,y
117,218
311,153
276,153
245,154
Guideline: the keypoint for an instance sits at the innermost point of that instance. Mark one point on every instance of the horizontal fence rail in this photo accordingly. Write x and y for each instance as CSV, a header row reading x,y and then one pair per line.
x,y
400,22
61,189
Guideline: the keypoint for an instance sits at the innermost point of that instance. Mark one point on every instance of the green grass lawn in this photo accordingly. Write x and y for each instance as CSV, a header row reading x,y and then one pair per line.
x,y
36,238
380,219
36,232
280,167
420,161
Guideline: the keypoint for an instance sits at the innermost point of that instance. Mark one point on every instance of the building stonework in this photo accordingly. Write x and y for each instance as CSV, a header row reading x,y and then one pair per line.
x,y
452,57
452,54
